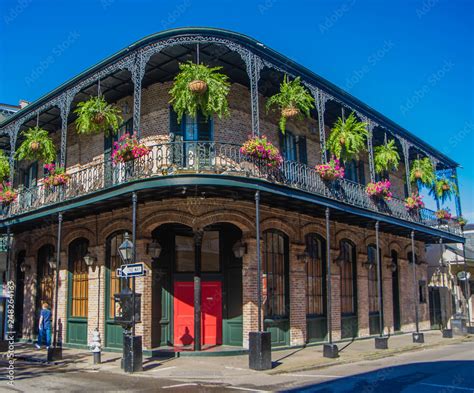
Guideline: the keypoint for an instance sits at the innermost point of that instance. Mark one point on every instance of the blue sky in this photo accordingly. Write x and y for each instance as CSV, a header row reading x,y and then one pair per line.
x,y
411,60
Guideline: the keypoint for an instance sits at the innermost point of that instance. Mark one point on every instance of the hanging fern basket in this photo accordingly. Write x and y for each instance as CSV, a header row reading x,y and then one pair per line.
x,y
418,174
197,86
445,187
290,112
35,145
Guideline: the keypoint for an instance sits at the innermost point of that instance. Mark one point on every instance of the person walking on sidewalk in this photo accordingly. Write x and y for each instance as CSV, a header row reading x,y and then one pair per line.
x,y
44,334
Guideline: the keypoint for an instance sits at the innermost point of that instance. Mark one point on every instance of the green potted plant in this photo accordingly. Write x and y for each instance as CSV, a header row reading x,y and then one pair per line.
x,y
293,100
444,188
386,157
422,171
461,221
4,166
7,194
37,145
347,138
199,88
96,115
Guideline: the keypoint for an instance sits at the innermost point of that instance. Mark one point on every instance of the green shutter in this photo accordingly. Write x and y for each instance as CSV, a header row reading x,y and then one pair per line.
x,y
302,150
176,129
204,128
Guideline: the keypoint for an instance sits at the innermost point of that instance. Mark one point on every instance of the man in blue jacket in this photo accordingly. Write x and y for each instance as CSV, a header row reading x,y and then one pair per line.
x,y
44,327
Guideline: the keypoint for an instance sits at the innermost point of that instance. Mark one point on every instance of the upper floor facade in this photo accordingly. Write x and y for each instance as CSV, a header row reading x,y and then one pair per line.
x,y
203,155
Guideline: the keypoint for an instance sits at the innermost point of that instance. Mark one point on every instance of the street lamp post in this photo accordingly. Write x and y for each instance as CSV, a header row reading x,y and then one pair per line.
x,y
381,342
418,337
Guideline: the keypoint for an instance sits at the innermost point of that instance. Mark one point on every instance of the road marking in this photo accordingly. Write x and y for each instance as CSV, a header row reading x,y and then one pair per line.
x,y
314,375
447,386
163,369
247,389
237,368
180,385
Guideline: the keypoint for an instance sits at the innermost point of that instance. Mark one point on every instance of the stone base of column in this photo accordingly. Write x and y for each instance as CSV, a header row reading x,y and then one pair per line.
x,y
418,338
330,351
55,354
260,351
381,342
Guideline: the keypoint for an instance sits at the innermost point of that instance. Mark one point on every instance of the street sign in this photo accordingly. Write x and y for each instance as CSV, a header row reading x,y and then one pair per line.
x,y
464,276
131,270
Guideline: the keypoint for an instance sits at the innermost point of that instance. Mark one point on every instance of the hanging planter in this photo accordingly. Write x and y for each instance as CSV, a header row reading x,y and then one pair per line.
x,y
4,166
95,116
347,138
379,190
444,189
261,149
200,88
128,148
7,194
422,171
56,176
443,214
293,100
37,145
461,221
414,203
331,171
386,157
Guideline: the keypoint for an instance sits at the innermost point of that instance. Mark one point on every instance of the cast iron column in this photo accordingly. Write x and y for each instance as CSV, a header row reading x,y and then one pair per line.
x,y
328,276
379,278
197,289
415,286
58,265
466,283
8,273
259,259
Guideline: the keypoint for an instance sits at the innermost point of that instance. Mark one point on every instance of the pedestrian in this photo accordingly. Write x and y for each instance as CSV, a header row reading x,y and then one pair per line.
x,y
44,334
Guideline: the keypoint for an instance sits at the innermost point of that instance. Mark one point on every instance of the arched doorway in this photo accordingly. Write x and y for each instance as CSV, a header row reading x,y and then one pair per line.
x,y
173,286
45,280
395,291
276,271
316,315
113,332
78,292
349,320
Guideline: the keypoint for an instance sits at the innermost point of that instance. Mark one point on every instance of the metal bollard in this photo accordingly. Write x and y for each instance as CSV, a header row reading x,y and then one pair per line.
x,y
96,347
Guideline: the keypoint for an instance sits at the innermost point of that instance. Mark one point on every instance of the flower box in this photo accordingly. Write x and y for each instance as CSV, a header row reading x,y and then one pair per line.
x,y
261,149
7,194
331,170
414,203
56,176
128,148
443,214
379,190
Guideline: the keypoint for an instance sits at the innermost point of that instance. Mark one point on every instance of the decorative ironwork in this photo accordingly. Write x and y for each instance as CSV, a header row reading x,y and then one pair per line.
x,y
254,74
406,156
370,147
216,158
65,107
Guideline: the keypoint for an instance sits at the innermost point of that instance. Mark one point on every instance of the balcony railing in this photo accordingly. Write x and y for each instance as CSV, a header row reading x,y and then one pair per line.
x,y
176,158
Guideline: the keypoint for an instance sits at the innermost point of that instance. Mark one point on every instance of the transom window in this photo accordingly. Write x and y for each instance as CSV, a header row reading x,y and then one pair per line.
x,y
185,252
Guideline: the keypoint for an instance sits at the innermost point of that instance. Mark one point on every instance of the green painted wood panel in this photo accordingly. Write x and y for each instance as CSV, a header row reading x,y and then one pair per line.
x,y
316,329
280,331
349,326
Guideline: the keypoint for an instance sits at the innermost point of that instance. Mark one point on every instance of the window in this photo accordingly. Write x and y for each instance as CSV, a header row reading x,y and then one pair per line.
x,y
79,278
373,281
113,263
354,171
45,275
410,258
30,175
184,253
210,261
275,260
197,128
315,273
288,146
422,291
348,287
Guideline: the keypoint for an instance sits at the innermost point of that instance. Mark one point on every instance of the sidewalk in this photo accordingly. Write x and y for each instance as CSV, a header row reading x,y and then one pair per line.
x,y
209,368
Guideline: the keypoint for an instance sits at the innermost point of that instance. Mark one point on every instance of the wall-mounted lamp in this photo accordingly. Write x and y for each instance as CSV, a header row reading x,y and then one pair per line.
x,y
154,249
24,267
52,262
239,249
392,266
89,259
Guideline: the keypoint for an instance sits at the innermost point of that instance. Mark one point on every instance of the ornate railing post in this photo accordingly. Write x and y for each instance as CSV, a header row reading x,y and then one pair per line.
x,y
13,133
138,72
457,197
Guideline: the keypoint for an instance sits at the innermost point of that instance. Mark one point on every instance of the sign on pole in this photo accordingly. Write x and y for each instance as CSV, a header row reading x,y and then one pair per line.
x,y
131,270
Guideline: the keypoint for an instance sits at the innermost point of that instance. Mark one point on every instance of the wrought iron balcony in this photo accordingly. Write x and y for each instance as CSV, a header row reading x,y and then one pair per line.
x,y
175,158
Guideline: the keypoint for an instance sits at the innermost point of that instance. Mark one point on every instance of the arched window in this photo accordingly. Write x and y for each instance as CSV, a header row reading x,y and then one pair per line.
x,y
372,277
275,264
113,262
410,257
315,273
348,277
79,278
45,275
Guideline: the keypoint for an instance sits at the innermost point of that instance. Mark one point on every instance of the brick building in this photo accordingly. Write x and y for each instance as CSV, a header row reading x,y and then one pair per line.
x,y
196,200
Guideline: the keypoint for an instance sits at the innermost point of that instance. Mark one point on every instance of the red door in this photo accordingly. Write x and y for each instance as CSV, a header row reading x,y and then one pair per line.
x,y
211,313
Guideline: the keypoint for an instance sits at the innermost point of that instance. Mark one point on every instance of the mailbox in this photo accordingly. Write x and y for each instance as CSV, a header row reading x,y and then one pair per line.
x,y
124,308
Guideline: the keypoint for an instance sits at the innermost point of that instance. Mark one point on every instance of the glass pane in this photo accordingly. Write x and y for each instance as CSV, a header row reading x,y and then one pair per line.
x,y
210,252
184,253
113,264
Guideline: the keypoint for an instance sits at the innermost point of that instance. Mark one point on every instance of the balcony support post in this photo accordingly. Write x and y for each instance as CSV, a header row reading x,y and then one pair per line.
x,y
138,71
13,133
417,336
198,235
379,277
254,66
457,197
64,107
321,98
370,149
406,157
